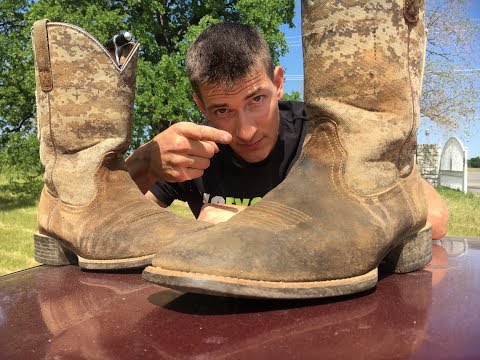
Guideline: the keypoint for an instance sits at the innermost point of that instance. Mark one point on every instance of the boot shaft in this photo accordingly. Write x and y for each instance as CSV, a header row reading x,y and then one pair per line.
x,y
84,107
364,63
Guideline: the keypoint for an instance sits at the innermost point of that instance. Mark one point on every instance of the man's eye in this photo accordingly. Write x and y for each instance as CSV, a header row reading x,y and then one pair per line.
x,y
257,98
221,111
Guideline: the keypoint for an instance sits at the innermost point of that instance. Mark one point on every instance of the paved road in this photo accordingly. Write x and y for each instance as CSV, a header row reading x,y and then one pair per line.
x,y
473,180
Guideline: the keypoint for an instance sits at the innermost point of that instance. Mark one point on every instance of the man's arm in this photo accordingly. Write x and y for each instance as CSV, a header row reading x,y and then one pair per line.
x,y
139,165
180,153
216,213
150,196
437,211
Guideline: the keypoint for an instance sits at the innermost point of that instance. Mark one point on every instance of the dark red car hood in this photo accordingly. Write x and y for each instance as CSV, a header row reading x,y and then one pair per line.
x,y
64,312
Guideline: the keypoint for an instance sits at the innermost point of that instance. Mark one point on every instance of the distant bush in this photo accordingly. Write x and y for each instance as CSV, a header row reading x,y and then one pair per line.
x,y
474,162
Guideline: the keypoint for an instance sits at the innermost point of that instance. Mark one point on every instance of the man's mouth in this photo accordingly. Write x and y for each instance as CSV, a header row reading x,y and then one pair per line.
x,y
252,145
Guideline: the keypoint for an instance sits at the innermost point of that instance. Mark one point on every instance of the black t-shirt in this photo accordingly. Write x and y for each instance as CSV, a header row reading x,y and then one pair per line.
x,y
231,180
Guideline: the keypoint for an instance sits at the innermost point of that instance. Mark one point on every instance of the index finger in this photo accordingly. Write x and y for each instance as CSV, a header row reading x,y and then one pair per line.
x,y
203,133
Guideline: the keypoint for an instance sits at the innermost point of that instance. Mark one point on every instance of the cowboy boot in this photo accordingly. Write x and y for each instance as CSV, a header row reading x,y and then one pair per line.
x,y
90,209
354,197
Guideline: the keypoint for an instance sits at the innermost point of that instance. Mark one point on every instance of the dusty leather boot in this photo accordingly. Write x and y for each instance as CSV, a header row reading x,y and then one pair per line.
x,y
90,208
354,198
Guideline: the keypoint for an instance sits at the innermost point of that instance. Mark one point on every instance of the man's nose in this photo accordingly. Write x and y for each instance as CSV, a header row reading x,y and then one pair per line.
x,y
246,126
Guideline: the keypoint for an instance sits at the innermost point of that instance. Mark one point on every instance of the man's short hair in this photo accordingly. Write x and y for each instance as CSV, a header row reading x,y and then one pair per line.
x,y
225,53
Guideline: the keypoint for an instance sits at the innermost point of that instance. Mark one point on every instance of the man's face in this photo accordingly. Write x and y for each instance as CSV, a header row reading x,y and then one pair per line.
x,y
248,110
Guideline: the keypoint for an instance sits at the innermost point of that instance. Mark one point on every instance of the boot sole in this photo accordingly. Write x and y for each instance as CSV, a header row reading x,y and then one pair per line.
x,y
413,254
228,286
50,251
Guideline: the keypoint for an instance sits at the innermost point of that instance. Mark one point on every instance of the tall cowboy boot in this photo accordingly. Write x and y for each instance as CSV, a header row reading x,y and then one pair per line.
x,y
354,198
90,208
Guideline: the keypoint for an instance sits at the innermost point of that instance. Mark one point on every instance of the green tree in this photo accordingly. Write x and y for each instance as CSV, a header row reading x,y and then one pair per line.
x,y
164,28
293,96
450,89
474,162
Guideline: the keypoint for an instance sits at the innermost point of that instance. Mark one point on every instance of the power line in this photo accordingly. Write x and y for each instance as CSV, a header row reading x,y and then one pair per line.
x,y
298,77
465,70
293,77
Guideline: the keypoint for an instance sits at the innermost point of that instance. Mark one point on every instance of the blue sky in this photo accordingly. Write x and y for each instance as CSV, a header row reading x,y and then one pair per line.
x,y
293,64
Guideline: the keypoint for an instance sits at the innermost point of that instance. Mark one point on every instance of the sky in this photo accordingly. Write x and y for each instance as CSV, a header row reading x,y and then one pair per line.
x,y
293,65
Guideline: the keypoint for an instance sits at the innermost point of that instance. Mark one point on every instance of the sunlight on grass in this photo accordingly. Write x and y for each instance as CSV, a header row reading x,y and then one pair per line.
x,y
181,208
464,212
18,222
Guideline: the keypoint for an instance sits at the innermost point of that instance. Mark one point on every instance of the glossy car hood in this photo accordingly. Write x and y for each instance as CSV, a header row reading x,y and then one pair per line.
x,y
64,312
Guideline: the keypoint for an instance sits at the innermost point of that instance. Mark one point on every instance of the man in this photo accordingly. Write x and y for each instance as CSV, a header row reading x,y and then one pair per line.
x,y
238,90
239,95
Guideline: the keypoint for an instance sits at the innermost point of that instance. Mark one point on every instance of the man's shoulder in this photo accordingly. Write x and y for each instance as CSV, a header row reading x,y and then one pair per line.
x,y
292,111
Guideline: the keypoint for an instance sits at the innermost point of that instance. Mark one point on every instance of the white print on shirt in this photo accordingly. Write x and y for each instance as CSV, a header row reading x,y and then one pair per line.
x,y
229,200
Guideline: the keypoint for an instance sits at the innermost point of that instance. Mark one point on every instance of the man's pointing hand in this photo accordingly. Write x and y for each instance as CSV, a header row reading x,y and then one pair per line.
x,y
181,152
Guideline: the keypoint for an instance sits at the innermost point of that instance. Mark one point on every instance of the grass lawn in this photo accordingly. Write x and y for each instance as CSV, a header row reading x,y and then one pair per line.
x,y
18,223
464,212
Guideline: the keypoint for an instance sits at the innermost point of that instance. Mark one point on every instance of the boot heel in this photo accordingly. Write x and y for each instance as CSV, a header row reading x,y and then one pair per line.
x,y
414,253
49,251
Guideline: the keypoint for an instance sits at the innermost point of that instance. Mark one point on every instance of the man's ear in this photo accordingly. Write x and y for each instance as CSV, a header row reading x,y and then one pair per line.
x,y
200,104
278,80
